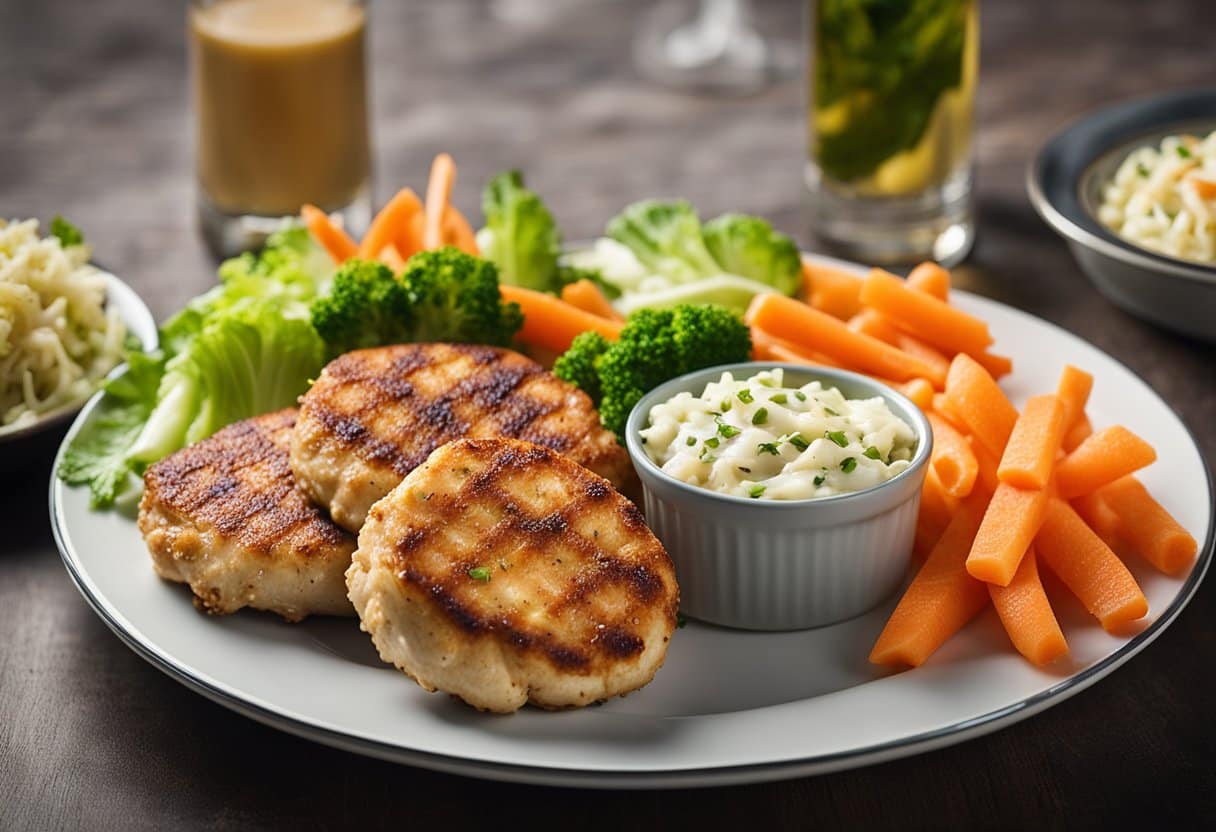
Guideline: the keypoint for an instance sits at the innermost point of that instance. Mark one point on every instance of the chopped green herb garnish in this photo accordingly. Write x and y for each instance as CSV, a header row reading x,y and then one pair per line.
x,y
726,403
690,441
760,416
798,394
819,480
727,431
1141,169
745,396
778,398
768,448
830,412
848,464
1184,151
838,437
480,573
873,453
68,234
799,442
713,442
755,491
706,456
766,382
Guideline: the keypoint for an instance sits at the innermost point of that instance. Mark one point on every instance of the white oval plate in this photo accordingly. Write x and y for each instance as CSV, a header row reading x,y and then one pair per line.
x,y
728,706
139,321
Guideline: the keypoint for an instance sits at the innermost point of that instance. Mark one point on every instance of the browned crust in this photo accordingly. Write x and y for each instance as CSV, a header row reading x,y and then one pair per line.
x,y
238,482
392,406
621,558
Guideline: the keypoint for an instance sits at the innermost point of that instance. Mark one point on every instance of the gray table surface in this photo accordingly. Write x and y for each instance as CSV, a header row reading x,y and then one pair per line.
x,y
94,124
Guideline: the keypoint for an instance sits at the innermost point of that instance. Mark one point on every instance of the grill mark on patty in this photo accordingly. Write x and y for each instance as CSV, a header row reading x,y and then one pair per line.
x,y
542,535
242,474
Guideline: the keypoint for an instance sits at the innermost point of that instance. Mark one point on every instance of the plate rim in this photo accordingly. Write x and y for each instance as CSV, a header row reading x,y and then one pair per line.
x,y
664,778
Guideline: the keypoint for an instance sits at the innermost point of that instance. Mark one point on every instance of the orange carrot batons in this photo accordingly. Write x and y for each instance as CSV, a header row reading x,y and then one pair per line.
x,y
329,236
1108,455
1074,389
1148,528
1031,451
941,598
1027,616
931,279
791,320
998,366
552,323
934,321
872,323
1080,431
587,296
1088,567
1010,525
438,194
978,402
1099,516
457,232
388,224
952,459
830,290
920,391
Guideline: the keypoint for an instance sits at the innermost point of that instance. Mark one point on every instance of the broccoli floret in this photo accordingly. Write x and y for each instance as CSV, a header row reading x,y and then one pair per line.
x,y
578,365
366,307
751,248
657,345
520,236
454,296
666,238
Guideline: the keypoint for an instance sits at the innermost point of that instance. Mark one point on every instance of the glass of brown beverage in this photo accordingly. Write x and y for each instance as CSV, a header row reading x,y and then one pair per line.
x,y
280,101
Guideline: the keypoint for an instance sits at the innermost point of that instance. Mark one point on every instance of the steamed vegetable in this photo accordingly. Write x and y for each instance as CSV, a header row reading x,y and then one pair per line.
x,y
666,238
367,306
520,236
751,248
654,346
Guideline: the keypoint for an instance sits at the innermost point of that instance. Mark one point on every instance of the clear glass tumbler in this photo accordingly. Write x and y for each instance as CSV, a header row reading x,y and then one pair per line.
x,y
280,104
891,87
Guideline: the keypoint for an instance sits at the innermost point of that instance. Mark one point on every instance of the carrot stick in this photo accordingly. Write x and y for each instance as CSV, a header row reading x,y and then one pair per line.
x,y
998,366
1101,459
329,236
392,258
941,406
438,193
988,463
924,316
917,348
830,290
1147,527
979,403
791,320
1027,616
457,232
1031,450
1074,389
1010,524
936,502
552,323
920,391
409,236
1082,429
387,225
872,323
931,279
587,296
952,458
1098,516
767,348
1088,567
928,532
941,598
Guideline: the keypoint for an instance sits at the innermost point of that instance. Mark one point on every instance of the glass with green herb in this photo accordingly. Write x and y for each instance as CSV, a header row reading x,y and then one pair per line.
x,y
891,89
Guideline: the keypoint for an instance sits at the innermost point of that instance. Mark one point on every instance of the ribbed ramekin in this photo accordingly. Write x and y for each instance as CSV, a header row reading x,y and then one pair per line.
x,y
783,564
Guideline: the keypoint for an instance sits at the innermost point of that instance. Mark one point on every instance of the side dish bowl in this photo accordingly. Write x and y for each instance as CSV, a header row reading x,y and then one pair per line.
x,y
1065,183
783,564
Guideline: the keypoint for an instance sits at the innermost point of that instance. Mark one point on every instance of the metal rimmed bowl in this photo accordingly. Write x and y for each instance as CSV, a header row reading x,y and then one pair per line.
x,y
783,564
1065,183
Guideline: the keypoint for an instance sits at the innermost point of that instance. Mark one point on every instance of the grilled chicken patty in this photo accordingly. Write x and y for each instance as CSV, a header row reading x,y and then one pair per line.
x,y
225,516
503,573
374,415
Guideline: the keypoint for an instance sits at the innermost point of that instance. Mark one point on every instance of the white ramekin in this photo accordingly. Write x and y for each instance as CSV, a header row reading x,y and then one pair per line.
x,y
783,564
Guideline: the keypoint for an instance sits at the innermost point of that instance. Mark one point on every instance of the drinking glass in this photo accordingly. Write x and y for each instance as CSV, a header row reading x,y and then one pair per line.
x,y
280,104
891,88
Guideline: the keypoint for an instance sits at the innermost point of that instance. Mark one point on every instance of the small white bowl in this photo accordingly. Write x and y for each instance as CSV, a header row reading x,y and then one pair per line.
x,y
783,564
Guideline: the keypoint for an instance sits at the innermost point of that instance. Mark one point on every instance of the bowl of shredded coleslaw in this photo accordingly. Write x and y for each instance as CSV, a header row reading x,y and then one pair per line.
x,y
65,326
1132,189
